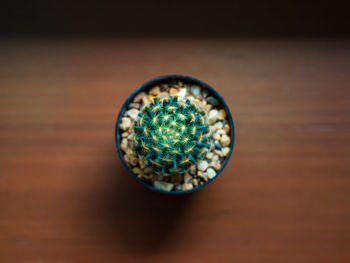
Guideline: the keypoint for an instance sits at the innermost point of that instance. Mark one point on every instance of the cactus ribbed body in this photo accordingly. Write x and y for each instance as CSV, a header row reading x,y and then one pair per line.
x,y
170,135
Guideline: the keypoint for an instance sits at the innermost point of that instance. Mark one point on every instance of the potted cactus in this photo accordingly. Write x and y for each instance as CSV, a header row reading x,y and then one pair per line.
x,y
174,134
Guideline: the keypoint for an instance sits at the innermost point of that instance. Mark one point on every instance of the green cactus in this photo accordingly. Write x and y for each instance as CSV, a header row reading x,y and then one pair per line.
x,y
170,135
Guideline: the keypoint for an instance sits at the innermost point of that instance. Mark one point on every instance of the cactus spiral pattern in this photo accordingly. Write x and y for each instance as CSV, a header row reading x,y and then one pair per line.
x,y
170,135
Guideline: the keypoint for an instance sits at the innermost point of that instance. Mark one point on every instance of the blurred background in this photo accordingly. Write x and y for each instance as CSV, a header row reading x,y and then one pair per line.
x,y
193,18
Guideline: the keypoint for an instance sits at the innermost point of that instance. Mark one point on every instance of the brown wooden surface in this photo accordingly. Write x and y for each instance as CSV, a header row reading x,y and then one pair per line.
x,y
284,196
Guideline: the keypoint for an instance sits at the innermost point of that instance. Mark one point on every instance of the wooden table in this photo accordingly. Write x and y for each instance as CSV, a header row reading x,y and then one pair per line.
x,y
65,196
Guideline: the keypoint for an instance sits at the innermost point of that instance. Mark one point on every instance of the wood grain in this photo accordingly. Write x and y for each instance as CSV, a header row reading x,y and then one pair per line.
x,y
284,196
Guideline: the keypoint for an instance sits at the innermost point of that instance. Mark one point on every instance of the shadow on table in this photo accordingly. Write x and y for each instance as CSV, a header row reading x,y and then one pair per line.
x,y
141,219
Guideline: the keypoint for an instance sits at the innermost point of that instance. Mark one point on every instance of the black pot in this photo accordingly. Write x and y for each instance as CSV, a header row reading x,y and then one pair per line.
x,y
166,79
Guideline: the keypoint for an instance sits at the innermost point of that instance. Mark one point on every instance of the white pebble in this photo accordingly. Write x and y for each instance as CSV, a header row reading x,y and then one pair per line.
x,y
192,169
225,151
204,93
155,91
225,140
146,100
136,170
182,93
187,178
163,185
131,159
222,114
221,132
195,90
213,116
215,158
219,125
216,136
202,165
211,173
209,155
215,165
125,124
178,187
227,128
132,114
124,144
188,186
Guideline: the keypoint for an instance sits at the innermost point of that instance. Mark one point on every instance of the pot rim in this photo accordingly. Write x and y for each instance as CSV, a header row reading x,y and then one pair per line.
x,y
167,78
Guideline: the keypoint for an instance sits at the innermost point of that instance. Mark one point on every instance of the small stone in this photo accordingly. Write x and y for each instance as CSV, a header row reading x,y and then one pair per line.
x,y
212,145
215,165
157,177
190,97
202,165
125,124
217,145
178,187
134,106
192,170
155,91
124,144
215,158
221,132
180,83
225,151
132,159
195,90
182,94
207,108
222,114
225,140
194,182
216,136
126,158
218,125
125,134
226,128
204,93
205,178
163,94
146,100
211,173
200,173
163,186
187,177
173,91
218,152
213,116
142,164
139,97
144,177
148,170
129,151
136,170
212,101
200,104
132,114
186,187
176,178
209,155
164,86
